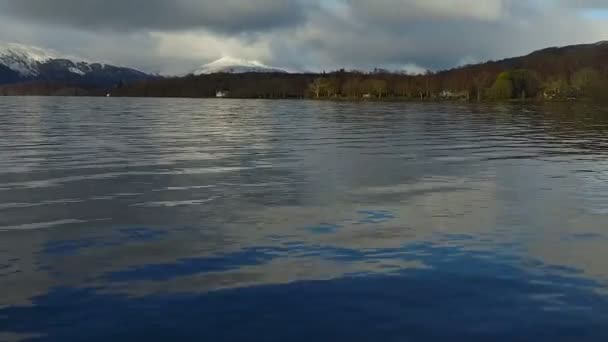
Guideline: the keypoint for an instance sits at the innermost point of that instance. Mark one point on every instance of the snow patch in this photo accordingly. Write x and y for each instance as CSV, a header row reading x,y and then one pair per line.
x,y
76,71
235,66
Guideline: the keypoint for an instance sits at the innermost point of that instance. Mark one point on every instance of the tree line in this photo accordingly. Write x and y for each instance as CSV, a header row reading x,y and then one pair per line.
x,y
567,73
517,84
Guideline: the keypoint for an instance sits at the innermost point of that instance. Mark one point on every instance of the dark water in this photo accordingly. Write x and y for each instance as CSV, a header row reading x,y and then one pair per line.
x,y
205,220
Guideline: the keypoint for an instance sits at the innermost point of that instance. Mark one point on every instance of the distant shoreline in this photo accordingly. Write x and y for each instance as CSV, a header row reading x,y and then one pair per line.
x,y
567,74
337,100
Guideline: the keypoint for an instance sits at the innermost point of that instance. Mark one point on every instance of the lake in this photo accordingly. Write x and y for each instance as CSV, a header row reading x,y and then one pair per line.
x,y
247,220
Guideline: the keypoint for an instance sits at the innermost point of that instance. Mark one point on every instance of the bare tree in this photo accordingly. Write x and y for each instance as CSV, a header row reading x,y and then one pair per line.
x,y
317,86
379,87
481,82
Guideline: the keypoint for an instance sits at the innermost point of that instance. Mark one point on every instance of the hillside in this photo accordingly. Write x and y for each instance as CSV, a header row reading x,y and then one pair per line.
x,y
26,64
571,72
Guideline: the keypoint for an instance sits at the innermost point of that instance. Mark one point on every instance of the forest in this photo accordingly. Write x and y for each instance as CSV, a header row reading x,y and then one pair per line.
x,y
567,73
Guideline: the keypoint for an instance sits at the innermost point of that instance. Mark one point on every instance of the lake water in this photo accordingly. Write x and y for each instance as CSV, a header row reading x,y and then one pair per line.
x,y
244,220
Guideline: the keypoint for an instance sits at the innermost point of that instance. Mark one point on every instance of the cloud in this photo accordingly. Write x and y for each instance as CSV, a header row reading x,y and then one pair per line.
x,y
206,46
179,35
395,11
439,35
225,16
583,3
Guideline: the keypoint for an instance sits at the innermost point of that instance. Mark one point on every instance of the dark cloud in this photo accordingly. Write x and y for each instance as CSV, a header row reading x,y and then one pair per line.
x,y
437,34
226,16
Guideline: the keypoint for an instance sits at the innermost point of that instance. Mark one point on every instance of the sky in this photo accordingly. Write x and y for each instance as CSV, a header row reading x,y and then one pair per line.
x,y
177,36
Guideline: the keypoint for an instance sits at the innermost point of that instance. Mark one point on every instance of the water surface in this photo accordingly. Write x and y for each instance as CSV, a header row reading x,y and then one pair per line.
x,y
244,220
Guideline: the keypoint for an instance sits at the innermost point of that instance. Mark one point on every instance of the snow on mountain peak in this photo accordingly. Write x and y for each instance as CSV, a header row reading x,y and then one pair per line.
x,y
24,59
233,65
31,52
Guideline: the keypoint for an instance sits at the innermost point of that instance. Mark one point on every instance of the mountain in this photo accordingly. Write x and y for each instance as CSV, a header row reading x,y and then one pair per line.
x,y
562,73
235,66
21,63
548,62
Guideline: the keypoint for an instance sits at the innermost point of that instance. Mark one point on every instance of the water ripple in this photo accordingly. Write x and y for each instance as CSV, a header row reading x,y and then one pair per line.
x,y
124,216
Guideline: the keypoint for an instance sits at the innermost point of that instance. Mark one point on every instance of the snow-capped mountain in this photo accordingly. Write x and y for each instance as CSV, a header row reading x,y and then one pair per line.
x,y
235,66
24,59
20,63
